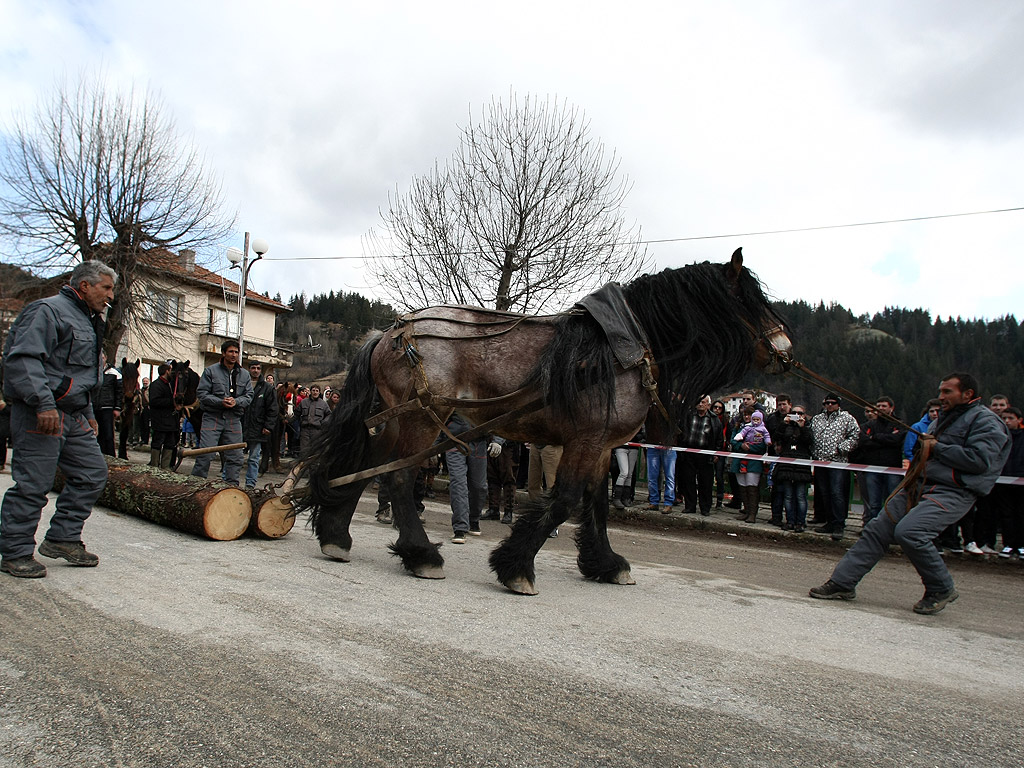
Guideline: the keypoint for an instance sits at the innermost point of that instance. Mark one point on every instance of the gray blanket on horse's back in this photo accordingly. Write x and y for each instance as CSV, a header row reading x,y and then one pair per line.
x,y
627,338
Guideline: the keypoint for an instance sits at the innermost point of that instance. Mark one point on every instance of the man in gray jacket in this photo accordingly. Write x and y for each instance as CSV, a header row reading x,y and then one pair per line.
x,y
51,376
963,453
224,392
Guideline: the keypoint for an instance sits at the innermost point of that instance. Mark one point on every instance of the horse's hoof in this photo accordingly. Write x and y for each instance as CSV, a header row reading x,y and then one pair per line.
x,y
428,572
623,577
335,552
521,586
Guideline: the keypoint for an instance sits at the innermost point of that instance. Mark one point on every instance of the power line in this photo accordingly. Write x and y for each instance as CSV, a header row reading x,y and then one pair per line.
x,y
720,237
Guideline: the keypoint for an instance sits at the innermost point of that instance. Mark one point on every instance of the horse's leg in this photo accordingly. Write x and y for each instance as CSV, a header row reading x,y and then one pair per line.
x,y
418,554
513,560
332,524
596,559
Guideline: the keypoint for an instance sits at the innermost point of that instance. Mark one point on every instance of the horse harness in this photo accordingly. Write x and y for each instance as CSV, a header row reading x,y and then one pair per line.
x,y
522,401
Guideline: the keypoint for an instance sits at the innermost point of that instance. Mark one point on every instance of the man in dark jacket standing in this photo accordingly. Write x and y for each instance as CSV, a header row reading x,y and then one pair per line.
x,y
313,413
963,452
259,421
697,470
51,374
165,417
881,444
224,392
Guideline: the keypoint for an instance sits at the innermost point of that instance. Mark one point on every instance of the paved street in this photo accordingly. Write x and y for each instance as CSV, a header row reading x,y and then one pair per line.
x,y
177,651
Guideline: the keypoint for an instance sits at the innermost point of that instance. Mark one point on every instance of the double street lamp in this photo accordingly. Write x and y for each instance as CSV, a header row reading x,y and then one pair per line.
x,y
240,260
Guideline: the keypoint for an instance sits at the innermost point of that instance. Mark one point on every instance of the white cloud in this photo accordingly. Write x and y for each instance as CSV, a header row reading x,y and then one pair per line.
x,y
729,117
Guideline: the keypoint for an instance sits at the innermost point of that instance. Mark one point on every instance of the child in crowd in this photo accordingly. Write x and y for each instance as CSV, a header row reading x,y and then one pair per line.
x,y
188,433
755,432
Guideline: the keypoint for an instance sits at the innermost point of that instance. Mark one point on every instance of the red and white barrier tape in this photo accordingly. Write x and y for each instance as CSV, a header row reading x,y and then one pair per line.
x,y
805,462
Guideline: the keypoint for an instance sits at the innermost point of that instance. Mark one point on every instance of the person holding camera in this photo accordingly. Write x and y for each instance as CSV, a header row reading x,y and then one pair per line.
x,y
793,440
224,392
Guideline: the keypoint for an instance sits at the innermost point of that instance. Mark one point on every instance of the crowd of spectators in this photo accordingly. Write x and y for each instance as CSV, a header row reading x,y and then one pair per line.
x,y
993,526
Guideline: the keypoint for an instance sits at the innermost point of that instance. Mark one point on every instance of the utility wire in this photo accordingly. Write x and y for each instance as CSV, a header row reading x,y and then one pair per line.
x,y
716,237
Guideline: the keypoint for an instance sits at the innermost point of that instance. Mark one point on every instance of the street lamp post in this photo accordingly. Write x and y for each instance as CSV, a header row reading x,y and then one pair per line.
x,y
240,260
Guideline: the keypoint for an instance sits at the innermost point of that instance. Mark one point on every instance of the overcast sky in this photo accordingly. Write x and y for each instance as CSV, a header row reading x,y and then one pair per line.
x,y
729,118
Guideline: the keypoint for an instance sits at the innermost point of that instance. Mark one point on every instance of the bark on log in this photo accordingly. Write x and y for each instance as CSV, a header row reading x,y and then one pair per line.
x,y
272,517
215,510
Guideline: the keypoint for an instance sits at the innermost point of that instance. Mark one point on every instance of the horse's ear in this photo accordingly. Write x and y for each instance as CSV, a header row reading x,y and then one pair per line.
x,y
186,364
124,362
736,265
138,361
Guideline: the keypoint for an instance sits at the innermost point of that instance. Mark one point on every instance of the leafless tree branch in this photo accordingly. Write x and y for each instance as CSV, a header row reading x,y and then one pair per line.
x,y
100,174
526,214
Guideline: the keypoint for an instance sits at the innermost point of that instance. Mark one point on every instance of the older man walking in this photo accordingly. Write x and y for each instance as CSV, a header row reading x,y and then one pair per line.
x,y
51,369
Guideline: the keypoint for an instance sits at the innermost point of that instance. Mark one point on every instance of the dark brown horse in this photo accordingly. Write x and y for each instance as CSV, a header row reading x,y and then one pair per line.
x,y
705,325
184,384
131,402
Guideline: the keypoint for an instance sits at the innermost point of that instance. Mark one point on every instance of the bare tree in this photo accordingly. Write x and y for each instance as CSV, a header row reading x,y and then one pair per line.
x,y
100,174
527,212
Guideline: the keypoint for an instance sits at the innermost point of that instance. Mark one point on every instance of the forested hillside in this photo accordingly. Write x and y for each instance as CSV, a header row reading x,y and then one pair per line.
x,y
336,322
897,352
902,353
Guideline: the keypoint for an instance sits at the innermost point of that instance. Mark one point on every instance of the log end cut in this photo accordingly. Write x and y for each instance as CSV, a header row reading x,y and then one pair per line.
x,y
227,515
273,518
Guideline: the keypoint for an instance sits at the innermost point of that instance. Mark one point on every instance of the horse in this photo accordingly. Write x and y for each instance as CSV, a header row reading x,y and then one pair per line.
x,y
550,379
184,384
131,402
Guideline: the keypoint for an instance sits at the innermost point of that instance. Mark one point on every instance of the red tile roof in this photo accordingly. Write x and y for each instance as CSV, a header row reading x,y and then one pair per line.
x,y
161,260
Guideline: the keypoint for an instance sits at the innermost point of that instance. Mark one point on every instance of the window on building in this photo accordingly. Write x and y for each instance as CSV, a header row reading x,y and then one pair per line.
x,y
163,307
223,322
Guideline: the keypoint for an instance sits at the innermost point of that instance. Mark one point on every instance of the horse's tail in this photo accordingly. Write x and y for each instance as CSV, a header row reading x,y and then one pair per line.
x,y
343,445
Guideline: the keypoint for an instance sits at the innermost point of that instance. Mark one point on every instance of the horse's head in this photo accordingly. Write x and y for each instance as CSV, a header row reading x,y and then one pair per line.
x,y
184,382
774,350
130,378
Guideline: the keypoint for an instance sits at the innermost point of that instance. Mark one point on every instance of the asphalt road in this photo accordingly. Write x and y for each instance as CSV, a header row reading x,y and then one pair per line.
x,y
177,651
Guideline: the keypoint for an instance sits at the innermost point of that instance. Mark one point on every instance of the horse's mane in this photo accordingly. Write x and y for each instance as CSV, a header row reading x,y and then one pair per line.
x,y
702,326
698,322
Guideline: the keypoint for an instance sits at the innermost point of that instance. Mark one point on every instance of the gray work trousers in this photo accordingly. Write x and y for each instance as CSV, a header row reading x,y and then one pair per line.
x,y
939,507
467,484
33,467
220,429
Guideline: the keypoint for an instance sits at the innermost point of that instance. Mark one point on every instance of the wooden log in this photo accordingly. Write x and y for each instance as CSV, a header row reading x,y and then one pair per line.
x,y
215,510
272,517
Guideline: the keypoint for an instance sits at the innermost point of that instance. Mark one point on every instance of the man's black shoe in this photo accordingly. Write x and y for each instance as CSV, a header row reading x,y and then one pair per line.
x,y
507,518
705,512
72,551
490,514
837,534
23,567
933,602
832,591
826,528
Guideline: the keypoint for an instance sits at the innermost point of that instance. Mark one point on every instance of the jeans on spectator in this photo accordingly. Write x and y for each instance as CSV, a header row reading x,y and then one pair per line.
x,y
794,499
879,487
659,459
252,469
467,484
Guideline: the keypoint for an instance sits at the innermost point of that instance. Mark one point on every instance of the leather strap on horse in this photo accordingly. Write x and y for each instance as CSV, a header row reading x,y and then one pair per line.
x,y
651,385
444,445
